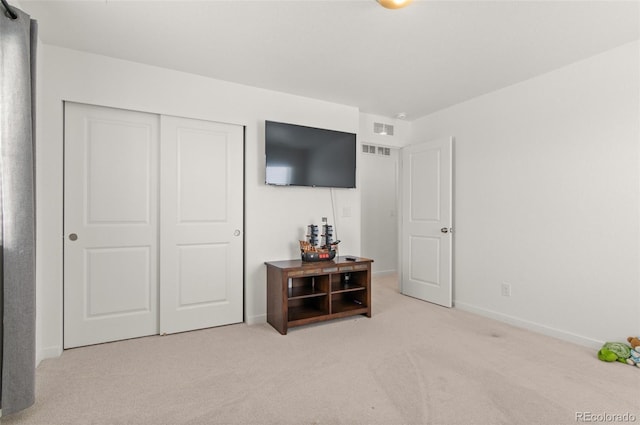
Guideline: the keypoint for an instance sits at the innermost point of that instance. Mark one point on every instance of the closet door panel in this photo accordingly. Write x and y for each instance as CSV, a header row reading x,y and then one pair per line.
x,y
201,270
110,224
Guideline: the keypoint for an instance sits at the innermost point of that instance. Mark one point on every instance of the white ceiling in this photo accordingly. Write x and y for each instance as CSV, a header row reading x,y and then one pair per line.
x,y
417,60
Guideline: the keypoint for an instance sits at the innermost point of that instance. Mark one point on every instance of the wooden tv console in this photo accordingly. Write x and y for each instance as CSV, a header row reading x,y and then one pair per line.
x,y
299,293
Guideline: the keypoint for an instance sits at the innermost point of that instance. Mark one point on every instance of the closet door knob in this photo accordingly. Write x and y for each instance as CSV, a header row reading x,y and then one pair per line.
x,y
236,233
73,237
444,230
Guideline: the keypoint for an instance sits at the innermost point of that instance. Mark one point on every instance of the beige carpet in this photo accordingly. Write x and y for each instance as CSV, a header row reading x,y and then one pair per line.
x,y
411,363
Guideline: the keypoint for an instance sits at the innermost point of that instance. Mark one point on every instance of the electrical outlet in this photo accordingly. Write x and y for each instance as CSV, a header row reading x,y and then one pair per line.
x,y
505,289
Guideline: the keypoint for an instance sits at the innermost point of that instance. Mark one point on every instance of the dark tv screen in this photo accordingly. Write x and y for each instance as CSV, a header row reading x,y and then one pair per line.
x,y
305,156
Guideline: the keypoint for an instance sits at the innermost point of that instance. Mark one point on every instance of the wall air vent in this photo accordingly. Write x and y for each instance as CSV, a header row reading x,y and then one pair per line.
x,y
380,150
383,129
368,149
384,151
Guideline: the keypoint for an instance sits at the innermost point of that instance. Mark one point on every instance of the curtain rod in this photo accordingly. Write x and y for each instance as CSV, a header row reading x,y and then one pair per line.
x,y
11,14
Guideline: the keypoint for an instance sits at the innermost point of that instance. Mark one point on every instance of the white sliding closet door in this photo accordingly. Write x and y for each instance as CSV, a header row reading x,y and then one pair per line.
x,y
153,224
201,252
110,224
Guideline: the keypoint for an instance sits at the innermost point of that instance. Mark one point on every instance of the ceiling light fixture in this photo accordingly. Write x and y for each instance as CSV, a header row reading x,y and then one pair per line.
x,y
394,4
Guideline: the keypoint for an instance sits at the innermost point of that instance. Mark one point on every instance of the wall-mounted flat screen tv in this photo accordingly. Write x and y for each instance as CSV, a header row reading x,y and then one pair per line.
x,y
305,156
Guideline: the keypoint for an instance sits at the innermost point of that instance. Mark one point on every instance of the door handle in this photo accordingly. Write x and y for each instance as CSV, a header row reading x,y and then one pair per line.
x,y
445,230
236,233
73,237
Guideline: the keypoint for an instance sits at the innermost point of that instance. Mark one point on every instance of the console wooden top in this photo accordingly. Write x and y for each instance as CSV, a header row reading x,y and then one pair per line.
x,y
298,264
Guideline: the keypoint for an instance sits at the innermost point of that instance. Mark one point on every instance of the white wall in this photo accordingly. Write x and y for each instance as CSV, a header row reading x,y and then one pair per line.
x,y
547,198
379,194
379,198
276,217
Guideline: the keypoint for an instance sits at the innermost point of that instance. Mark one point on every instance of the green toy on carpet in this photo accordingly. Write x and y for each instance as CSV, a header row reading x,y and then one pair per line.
x,y
614,351
619,352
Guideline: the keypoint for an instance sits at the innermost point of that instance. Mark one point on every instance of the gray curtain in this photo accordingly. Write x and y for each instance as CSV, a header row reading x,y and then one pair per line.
x,y
18,39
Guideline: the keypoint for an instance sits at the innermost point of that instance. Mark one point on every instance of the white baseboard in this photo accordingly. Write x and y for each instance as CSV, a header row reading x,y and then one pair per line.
x,y
256,320
532,326
384,273
48,353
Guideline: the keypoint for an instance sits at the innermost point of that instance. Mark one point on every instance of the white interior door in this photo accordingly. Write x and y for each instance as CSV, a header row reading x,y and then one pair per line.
x,y
110,224
201,252
426,239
